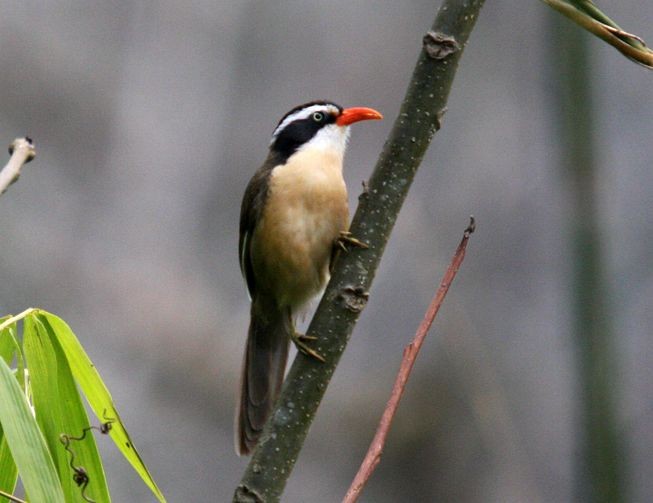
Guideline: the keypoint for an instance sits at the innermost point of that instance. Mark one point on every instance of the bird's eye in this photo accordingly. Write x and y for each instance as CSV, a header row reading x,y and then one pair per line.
x,y
318,116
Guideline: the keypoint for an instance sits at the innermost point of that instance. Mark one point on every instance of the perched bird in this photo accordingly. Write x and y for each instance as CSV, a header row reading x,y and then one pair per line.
x,y
293,213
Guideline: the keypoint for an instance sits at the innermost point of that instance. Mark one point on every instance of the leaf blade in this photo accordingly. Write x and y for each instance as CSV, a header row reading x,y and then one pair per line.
x,y
8,469
8,348
26,442
99,398
61,414
587,15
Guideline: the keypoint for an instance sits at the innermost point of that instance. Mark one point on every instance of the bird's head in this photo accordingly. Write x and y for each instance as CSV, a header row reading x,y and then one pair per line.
x,y
318,124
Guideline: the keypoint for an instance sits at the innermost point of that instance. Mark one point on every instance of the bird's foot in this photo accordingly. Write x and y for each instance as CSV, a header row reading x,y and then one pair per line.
x,y
300,343
346,239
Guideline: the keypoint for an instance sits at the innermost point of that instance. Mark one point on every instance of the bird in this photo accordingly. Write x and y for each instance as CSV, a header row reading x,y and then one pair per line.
x,y
293,215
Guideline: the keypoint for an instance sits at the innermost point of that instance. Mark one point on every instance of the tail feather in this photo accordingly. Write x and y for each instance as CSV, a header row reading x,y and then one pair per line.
x,y
264,363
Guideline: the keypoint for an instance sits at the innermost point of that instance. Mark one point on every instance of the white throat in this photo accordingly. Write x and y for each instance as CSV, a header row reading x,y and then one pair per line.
x,y
331,138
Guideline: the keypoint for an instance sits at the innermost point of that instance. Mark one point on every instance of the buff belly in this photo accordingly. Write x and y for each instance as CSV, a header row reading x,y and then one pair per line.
x,y
304,213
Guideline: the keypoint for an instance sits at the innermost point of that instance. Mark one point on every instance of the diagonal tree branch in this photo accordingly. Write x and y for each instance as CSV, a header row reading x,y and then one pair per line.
x,y
21,151
346,295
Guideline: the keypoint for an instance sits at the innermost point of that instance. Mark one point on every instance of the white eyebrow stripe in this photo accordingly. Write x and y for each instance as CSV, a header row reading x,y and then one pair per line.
x,y
304,113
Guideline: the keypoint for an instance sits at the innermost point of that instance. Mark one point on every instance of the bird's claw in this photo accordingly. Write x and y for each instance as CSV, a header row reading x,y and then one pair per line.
x,y
345,238
299,341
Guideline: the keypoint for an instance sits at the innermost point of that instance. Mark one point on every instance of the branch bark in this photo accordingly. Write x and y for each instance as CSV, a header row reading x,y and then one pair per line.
x,y
346,295
373,456
22,152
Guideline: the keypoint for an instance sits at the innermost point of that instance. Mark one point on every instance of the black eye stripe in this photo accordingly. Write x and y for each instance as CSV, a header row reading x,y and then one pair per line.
x,y
299,132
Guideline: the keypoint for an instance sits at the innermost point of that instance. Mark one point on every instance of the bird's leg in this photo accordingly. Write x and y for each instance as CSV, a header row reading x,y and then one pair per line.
x,y
345,238
299,341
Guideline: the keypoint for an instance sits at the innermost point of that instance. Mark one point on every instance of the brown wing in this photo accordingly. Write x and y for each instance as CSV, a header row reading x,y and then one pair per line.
x,y
250,214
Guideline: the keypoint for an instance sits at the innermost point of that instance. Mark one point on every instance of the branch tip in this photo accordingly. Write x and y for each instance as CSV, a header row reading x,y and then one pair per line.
x,y
21,151
471,227
23,143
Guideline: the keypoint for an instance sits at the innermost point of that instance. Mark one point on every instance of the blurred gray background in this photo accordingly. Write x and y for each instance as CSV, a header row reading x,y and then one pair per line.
x,y
150,117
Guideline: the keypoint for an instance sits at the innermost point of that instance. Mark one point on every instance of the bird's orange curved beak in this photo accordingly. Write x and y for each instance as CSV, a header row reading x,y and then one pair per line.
x,y
355,114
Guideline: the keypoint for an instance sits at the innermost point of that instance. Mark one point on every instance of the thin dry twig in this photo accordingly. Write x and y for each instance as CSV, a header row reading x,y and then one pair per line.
x,y
11,497
21,151
411,351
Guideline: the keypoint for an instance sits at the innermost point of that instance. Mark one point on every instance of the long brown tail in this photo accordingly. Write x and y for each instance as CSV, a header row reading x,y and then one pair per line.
x,y
264,363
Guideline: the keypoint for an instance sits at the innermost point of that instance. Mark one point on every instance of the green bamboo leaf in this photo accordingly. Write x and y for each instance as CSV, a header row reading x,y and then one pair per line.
x,y
587,15
98,396
6,344
8,471
61,415
27,445
9,348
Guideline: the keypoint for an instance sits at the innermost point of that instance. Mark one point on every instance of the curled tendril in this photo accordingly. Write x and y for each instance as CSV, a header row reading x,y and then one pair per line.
x,y
80,475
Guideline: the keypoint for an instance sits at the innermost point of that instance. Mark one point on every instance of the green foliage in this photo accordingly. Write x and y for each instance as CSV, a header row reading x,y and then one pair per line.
x,y
45,433
587,15
25,443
